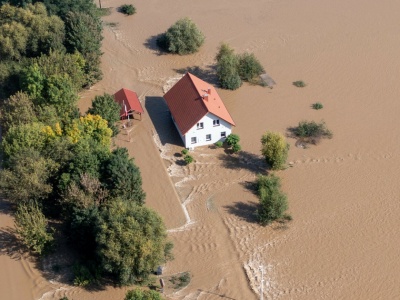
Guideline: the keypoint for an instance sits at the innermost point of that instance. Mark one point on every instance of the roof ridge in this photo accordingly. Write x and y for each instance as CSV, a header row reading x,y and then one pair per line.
x,y
195,87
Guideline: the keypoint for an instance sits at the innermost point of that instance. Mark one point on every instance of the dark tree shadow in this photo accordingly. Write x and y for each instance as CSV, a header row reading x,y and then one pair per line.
x,y
244,160
246,211
207,73
151,43
10,244
162,121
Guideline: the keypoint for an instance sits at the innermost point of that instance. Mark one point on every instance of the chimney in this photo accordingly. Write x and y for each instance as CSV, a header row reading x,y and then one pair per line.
x,y
209,91
205,97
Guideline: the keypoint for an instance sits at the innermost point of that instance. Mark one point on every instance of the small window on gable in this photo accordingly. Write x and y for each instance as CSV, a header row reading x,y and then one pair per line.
x,y
194,140
216,122
200,125
208,137
223,134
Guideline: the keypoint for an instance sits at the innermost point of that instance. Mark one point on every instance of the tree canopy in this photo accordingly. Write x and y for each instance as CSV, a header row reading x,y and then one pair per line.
x,y
131,241
182,38
275,149
106,107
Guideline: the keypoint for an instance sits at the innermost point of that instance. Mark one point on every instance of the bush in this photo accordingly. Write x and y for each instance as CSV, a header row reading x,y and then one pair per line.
x,y
275,149
188,159
236,148
299,83
219,144
232,139
317,105
249,67
32,227
180,281
273,203
227,68
185,151
127,9
181,38
311,132
138,294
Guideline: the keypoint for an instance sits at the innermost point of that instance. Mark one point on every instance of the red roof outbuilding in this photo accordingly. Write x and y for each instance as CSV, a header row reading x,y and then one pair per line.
x,y
129,102
190,99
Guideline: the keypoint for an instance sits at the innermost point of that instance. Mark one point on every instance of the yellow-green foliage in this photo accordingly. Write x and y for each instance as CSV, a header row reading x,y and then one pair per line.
x,y
90,125
275,149
32,227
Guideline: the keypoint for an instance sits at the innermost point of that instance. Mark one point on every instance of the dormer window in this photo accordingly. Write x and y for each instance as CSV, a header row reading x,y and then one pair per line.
x,y
215,122
200,125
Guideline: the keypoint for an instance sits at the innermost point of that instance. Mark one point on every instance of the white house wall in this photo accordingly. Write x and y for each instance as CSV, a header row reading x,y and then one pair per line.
x,y
209,128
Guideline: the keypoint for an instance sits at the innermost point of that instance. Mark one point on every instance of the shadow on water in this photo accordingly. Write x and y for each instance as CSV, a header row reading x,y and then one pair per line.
x,y
151,43
161,118
245,211
244,160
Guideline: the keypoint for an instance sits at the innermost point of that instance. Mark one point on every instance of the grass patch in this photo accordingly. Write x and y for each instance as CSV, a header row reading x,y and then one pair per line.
x,y
299,83
185,151
219,144
102,12
317,105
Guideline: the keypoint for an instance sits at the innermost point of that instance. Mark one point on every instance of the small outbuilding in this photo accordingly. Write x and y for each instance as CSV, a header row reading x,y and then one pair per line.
x,y
198,112
129,102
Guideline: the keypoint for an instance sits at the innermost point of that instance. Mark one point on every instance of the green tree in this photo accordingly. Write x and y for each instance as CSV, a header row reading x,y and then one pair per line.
x,y
27,177
122,177
26,136
90,126
16,110
275,149
59,92
224,50
106,107
182,38
227,71
131,241
273,203
60,63
29,31
139,294
249,67
32,227
84,34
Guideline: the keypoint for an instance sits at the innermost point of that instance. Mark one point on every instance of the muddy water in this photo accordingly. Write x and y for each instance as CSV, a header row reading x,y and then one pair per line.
x,y
343,194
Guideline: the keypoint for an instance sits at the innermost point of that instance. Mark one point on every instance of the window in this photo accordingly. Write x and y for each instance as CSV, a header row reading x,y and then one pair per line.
x,y
208,137
194,140
216,122
223,134
200,125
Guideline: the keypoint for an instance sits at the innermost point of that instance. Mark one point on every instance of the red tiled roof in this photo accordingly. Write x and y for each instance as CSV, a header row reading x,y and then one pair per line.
x,y
188,102
130,99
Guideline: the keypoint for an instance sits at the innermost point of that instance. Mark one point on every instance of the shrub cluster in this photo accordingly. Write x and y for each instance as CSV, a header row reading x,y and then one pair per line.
x,y
317,105
232,68
311,132
275,149
299,83
127,9
273,203
181,38
233,141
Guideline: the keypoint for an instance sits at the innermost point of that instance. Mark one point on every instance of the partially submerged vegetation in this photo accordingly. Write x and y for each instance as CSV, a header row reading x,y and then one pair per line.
x,y
232,69
311,132
127,9
275,149
317,105
233,142
299,83
181,38
273,203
